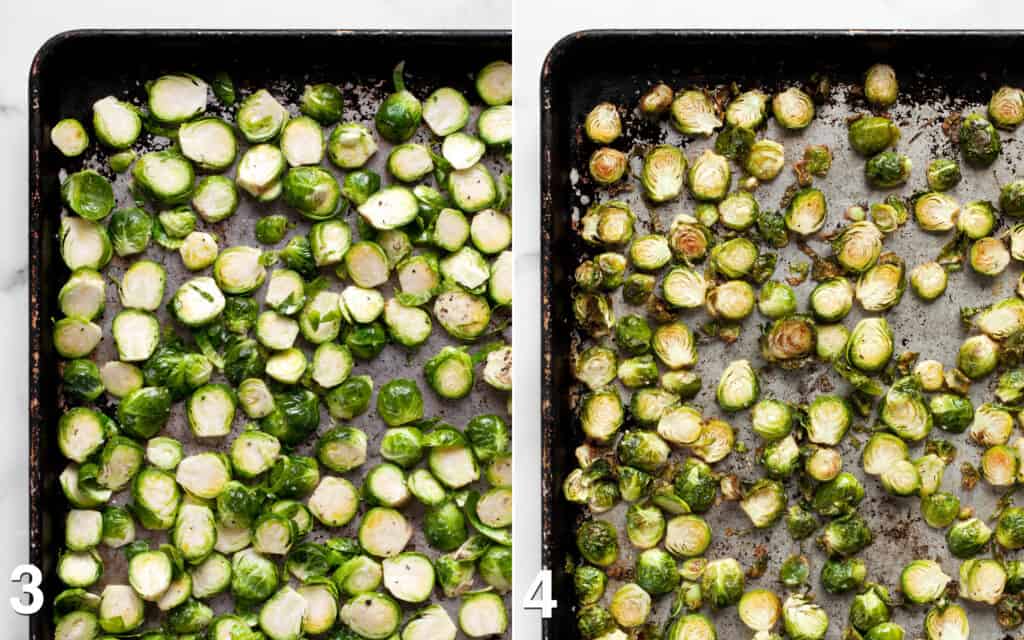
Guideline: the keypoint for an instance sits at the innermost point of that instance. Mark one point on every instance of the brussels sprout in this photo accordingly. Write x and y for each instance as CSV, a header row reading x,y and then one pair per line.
x,y
399,115
928,280
644,450
978,356
648,253
597,542
82,379
607,166
696,485
788,340
70,137
887,169
722,582
350,398
84,244
760,609
880,86
979,142
693,625
982,581
117,124
656,572
943,174
772,419
656,101
871,344
838,496
693,113
967,537
1010,528
88,194
709,177
882,451
738,387
764,503
832,299
734,142
734,258
130,231
399,402
84,295
747,110
988,256
1006,107
602,124
765,159
663,171
845,536
823,464
608,223
999,466
793,109
806,212
803,619
776,300
946,621
940,509
645,526
840,576
869,135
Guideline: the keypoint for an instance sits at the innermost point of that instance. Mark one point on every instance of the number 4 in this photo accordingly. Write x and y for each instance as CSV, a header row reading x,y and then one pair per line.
x,y
538,595
35,596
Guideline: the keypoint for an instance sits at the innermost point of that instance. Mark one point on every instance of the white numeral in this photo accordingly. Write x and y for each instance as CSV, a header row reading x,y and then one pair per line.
x,y
31,589
538,595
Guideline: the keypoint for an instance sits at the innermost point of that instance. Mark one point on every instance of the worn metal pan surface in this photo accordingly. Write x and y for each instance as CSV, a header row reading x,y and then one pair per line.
x,y
940,73
74,69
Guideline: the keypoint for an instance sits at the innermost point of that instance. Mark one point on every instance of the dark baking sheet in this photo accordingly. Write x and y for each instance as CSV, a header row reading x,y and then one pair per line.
x,y
939,73
74,69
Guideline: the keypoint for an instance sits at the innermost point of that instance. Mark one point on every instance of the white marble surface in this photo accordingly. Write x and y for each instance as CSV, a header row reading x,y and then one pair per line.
x,y
542,23
24,27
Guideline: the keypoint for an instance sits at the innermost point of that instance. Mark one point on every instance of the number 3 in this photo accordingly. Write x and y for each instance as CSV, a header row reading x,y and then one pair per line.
x,y
35,596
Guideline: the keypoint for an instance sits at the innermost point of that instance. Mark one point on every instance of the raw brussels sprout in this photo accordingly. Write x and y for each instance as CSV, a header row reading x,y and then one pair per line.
x,y
84,244
399,402
88,194
979,141
130,230
399,115
488,435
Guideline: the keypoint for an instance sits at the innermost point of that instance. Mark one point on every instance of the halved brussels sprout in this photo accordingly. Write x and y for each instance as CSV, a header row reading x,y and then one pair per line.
x,y
684,287
858,246
765,159
663,171
693,113
979,141
776,300
982,580
603,124
732,300
607,166
722,582
764,503
806,212
943,174
988,256
709,177
738,386
928,280
788,341
117,124
793,109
